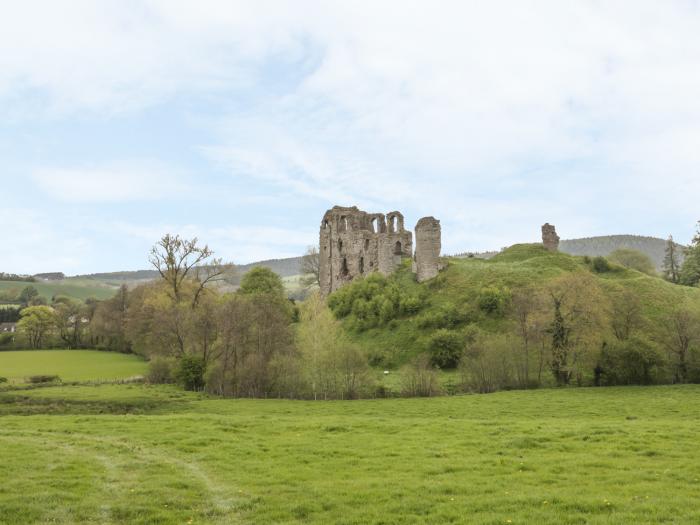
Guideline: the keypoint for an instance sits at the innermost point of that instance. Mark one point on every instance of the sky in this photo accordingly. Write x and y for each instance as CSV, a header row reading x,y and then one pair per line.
x,y
242,122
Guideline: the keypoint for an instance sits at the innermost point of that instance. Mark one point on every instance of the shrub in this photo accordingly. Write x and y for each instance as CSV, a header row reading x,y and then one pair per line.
x,y
419,379
3,380
445,316
373,301
445,348
635,361
160,371
493,300
190,372
600,264
43,379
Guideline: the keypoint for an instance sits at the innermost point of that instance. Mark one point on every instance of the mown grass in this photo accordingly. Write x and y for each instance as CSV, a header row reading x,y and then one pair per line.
x,y
69,365
80,289
613,456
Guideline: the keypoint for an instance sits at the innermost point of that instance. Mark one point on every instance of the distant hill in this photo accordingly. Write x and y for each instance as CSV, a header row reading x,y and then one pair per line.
x,y
653,247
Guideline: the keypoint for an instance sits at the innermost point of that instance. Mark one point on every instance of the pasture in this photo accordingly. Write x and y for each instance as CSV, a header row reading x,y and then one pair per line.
x,y
69,365
157,455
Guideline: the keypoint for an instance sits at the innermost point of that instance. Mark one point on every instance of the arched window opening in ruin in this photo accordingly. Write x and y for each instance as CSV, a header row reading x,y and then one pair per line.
x,y
373,225
340,245
366,244
362,265
392,223
397,248
344,268
347,224
325,225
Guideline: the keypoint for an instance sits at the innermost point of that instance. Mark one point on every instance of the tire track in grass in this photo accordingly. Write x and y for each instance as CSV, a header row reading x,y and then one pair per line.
x,y
221,496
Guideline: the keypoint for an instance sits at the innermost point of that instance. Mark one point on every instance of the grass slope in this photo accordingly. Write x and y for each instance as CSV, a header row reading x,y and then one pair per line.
x,y
523,265
75,288
69,365
594,456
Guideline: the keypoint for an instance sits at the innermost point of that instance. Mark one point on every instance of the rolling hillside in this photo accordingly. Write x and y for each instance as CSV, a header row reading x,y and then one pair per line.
x,y
451,300
653,247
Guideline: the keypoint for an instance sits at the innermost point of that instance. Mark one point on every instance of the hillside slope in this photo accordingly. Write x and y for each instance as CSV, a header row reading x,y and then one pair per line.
x,y
454,297
653,247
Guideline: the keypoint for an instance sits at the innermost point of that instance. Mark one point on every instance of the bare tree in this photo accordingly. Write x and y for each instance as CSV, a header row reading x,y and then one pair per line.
x,y
682,334
311,268
177,260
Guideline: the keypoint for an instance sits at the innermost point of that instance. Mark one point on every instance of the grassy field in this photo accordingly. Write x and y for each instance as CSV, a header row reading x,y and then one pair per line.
x,y
74,288
69,365
150,455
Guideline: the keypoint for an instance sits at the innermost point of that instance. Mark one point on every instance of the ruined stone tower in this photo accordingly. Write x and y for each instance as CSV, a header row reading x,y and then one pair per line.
x,y
426,262
354,243
550,239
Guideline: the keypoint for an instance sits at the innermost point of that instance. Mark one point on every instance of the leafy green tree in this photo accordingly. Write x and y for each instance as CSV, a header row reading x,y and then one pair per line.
x,y
690,271
190,372
633,259
36,324
27,295
633,361
261,280
671,265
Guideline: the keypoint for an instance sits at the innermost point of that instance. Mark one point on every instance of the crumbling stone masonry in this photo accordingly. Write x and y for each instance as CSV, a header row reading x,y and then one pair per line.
x,y
550,239
426,262
353,243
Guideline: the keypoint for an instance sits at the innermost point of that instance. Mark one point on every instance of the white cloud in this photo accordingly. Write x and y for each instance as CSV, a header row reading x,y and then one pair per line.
x,y
112,183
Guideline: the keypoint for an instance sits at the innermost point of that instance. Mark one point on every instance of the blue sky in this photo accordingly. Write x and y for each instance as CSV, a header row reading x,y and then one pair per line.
x,y
242,122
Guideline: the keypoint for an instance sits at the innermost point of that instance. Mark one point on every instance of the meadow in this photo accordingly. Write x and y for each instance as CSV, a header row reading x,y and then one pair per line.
x,y
79,289
69,365
157,455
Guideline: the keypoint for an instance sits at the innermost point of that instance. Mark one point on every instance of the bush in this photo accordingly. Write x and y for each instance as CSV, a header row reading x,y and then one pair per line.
x,y
635,361
373,301
419,379
190,372
3,380
493,300
160,371
445,316
445,348
43,379
600,264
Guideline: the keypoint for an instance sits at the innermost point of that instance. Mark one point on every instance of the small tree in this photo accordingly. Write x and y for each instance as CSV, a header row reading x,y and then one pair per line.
x,y
633,259
311,268
190,372
690,271
36,324
672,265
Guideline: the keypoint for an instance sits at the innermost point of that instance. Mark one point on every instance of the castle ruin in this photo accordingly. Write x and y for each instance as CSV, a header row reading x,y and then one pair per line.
x,y
353,243
550,239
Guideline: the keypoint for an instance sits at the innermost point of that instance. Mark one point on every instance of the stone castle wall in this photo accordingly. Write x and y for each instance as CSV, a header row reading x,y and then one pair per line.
x,y
353,243
426,263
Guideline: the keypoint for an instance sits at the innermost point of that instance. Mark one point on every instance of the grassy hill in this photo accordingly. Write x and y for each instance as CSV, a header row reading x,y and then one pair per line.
x,y
143,455
75,288
456,292
653,247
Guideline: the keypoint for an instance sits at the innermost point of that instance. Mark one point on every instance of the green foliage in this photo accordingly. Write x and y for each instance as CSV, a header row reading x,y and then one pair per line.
x,y
633,259
494,300
635,361
3,380
27,295
373,301
445,348
447,315
190,372
600,264
160,371
261,280
690,271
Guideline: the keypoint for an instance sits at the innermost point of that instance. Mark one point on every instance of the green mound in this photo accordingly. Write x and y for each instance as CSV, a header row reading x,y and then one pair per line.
x,y
468,294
